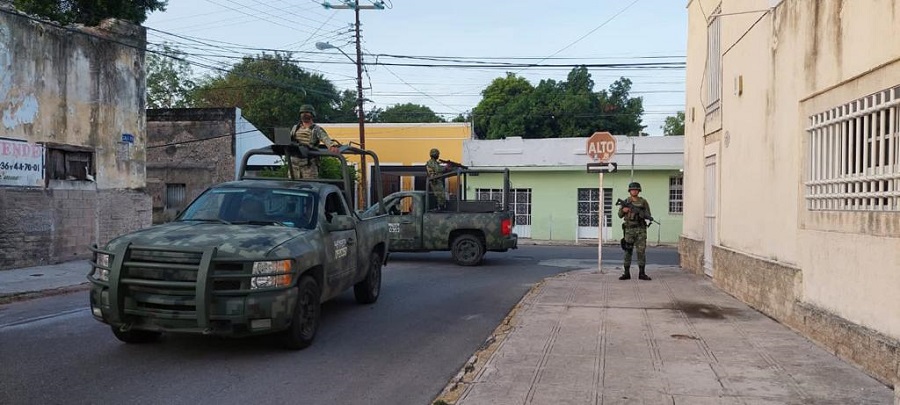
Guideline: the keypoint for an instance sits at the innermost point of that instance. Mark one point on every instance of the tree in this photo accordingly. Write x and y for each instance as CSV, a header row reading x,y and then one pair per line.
x,y
408,112
510,106
462,117
90,12
169,83
269,90
674,125
504,108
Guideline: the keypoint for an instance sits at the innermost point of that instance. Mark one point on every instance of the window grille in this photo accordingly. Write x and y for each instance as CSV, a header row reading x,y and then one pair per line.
x,y
853,154
676,195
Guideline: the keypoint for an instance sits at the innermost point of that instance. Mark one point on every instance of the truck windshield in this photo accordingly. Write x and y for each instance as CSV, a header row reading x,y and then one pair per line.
x,y
254,206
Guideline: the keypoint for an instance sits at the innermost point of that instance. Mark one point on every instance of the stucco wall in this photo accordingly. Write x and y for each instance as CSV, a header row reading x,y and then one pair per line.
x,y
554,196
832,275
72,88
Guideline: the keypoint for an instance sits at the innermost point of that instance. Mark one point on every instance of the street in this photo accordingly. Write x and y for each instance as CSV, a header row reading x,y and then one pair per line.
x,y
431,317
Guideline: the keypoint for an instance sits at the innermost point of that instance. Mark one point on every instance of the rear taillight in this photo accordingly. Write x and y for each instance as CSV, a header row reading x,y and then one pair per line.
x,y
506,226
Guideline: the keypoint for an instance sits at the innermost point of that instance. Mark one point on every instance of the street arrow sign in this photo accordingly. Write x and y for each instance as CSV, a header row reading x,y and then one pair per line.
x,y
610,167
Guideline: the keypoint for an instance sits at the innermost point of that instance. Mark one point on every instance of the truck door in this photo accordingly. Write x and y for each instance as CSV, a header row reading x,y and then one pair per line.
x,y
342,246
404,223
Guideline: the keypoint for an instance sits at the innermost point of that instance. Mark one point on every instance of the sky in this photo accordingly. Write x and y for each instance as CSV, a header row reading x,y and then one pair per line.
x,y
216,32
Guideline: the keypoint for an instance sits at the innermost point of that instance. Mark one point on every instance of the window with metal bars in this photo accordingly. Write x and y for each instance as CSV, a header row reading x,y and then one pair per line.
x,y
175,195
519,201
676,194
714,62
589,206
853,155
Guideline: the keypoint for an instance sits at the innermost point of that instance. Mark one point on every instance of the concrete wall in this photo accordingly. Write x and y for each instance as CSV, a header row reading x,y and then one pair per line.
x,y
832,275
190,146
72,88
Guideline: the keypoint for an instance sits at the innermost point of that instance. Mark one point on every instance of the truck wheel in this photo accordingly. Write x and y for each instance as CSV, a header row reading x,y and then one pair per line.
x,y
467,250
305,320
367,290
135,336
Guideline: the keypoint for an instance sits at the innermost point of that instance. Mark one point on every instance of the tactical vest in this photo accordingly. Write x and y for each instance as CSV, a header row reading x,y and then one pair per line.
x,y
303,135
631,219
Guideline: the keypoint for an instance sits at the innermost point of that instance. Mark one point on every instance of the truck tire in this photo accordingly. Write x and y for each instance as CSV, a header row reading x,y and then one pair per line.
x,y
135,336
305,319
367,290
468,250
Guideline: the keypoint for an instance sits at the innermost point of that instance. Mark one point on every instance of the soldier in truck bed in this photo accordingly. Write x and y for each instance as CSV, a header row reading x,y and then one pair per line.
x,y
309,134
433,168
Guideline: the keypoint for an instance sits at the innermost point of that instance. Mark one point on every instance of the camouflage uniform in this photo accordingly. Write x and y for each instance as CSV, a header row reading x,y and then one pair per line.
x,y
635,230
434,168
312,137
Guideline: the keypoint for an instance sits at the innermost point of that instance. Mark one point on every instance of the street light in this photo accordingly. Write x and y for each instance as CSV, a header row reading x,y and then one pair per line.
x,y
359,106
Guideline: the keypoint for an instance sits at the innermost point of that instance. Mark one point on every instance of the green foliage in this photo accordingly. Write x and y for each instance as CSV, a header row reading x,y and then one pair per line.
x,y
404,113
511,106
674,125
169,80
281,172
90,12
269,90
462,117
329,168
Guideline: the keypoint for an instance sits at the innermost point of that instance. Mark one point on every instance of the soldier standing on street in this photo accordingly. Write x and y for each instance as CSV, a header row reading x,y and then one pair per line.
x,y
635,229
307,133
433,168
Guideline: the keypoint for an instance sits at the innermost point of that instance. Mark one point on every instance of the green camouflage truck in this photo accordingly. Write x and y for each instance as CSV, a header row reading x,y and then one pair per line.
x,y
246,257
468,228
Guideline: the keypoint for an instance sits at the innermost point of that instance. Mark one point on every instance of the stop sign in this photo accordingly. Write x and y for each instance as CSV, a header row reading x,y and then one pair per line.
x,y
601,146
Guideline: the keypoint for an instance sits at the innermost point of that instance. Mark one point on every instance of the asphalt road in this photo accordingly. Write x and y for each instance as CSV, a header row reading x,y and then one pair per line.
x,y
403,349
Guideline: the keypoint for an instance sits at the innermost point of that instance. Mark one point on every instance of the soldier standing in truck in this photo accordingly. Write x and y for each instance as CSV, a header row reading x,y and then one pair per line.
x,y
308,133
433,168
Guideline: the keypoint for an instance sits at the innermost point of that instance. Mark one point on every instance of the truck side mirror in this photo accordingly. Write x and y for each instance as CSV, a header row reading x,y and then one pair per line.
x,y
340,223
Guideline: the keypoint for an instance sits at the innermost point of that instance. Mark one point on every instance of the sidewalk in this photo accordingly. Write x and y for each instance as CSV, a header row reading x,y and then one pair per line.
x,y
587,338
29,282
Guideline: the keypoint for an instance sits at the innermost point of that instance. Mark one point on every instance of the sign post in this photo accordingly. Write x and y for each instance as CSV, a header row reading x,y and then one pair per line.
x,y
601,147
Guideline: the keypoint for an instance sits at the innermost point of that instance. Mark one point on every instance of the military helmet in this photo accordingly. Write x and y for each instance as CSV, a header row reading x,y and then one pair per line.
x,y
306,108
434,153
634,186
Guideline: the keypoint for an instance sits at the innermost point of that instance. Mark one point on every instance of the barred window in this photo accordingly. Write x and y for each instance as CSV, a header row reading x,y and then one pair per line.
x,y
676,194
853,157
175,195
589,207
520,201
714,62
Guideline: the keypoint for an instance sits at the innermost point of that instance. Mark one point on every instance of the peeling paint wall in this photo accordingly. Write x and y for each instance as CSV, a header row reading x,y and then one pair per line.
x,y
74,89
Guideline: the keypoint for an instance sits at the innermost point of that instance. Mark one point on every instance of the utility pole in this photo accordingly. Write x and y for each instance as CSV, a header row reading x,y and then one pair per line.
x,y
355,6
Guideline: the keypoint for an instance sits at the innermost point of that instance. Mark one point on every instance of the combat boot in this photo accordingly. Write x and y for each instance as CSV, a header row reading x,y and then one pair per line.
x,y
627,274
642,275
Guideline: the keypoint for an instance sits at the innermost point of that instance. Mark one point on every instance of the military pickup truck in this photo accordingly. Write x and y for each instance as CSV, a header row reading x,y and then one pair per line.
x,y
466,227
247,257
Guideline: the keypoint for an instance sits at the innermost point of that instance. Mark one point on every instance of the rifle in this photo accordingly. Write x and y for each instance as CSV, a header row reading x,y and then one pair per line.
x,y
639,212
453,164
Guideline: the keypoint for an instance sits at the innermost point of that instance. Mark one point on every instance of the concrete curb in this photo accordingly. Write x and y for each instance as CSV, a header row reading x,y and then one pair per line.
x,y
30,295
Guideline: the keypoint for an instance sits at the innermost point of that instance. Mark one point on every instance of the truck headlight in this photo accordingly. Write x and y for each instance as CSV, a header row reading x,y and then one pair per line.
x,y
263,276
101,274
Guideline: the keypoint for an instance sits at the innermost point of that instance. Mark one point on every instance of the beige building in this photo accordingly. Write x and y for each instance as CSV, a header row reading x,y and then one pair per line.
x,y
792,166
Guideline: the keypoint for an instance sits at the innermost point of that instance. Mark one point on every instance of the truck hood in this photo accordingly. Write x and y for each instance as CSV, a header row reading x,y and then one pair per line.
x,y
246,241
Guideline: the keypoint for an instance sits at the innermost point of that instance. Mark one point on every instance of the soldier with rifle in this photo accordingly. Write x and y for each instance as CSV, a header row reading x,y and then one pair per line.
x,y
635,212
307,133
433,168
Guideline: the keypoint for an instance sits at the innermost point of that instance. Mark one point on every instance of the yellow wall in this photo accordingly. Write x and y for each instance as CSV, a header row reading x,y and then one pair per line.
x,y
406,144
